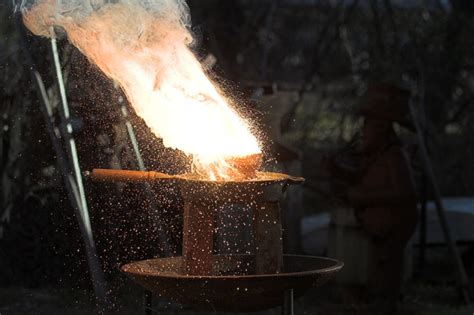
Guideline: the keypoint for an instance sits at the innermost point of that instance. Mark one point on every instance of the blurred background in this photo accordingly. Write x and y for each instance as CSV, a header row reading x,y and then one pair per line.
x,y
300,69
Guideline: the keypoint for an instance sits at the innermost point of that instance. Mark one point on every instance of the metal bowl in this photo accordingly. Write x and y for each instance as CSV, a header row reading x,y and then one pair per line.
x,y
231,289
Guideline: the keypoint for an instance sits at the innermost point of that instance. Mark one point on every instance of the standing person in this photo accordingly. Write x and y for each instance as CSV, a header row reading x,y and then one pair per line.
x,y
382,192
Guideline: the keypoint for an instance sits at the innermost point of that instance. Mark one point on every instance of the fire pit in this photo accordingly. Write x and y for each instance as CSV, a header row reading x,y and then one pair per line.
x,y
231,292
205,278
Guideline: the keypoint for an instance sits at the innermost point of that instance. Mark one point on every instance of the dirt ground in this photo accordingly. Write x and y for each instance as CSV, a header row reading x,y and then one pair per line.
x,y
420,299
431,292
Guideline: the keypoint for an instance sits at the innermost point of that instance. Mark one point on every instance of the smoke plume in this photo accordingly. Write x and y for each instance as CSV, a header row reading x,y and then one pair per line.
x,y
144,45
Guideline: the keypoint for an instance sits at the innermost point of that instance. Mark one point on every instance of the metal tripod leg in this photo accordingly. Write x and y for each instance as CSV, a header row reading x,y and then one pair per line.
x,y
147,302
463,280
82,211
163,239
288,303
148,296
62,161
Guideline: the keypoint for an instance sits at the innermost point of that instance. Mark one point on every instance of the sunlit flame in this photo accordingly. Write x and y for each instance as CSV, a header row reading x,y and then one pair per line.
x,y
146,52
194,116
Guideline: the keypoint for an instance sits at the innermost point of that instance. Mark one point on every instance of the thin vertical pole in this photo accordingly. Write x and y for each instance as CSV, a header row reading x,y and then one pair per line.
x,y
67,128
133,139
162,237
148,296
423,217
98,280
422,124
147,302
463,280
288,303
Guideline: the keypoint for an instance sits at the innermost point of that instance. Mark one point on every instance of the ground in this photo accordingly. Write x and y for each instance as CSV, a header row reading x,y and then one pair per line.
x,y
420,299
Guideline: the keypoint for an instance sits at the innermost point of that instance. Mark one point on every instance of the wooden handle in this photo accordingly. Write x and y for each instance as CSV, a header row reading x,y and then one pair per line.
x,y
110,175
295,180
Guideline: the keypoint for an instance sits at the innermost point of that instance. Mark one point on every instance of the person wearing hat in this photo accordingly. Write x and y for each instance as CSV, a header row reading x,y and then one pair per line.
x,y
382,192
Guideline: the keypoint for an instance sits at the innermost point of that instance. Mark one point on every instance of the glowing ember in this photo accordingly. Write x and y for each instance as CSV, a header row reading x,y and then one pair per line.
x,y
144,46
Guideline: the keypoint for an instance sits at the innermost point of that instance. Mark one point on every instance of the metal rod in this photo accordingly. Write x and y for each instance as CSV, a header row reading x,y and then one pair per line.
x,y
67,130
133,139
463,280
98,280
61,158
423,218
422,124
147,302
288,303
162,237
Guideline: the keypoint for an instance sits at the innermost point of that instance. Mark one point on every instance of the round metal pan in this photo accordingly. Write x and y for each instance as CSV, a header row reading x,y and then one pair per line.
x,y
231,290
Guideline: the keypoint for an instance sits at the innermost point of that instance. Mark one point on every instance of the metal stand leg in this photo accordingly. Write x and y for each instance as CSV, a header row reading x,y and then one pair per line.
x,y
288,303
147,302
71,175
165,245
463,280
422,234
78,187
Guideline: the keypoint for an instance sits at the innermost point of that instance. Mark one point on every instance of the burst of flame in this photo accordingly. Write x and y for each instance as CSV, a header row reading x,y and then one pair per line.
x,y
194,118
147,53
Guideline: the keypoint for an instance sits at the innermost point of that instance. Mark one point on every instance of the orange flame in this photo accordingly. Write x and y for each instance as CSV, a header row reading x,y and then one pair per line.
x,y
147,53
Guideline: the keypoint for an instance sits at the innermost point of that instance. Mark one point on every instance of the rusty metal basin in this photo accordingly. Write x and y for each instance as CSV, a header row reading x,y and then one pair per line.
x,y
232,288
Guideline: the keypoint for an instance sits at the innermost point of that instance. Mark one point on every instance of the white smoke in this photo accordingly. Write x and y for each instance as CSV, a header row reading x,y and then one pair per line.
x,y
144,46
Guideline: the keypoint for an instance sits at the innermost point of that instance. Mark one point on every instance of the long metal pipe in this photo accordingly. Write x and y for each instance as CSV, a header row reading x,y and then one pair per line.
x,y
165,245
463,280
287,307
63,164
98,279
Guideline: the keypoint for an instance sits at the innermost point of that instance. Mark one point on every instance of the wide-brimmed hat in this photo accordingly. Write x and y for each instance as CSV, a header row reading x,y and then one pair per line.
x,y
387,102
